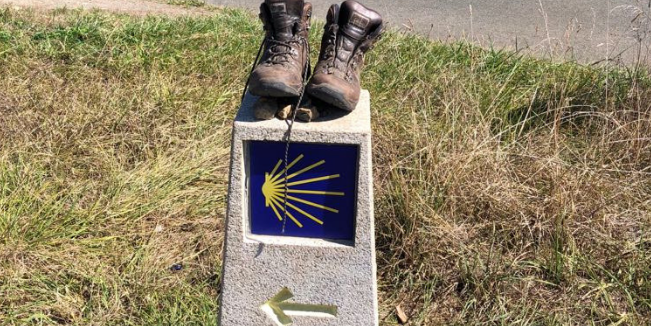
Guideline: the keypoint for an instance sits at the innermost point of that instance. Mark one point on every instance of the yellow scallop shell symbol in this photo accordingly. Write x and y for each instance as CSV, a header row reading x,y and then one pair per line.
x,y
275,195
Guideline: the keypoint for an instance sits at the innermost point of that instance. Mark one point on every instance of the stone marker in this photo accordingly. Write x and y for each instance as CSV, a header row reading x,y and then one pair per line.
x,y
308,259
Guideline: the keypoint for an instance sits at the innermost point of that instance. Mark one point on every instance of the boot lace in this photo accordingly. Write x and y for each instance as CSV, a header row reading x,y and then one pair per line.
x,y
278,54
355,62
331,49
290,122
280,51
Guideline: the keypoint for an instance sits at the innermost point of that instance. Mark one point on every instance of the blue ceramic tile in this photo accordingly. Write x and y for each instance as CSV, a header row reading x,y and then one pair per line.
x,y
321,183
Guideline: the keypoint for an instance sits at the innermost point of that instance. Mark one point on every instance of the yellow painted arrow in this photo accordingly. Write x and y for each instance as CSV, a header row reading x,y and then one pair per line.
x,y
279,310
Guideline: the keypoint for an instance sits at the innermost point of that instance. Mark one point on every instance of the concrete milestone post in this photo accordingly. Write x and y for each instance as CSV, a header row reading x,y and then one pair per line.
x,y
309,258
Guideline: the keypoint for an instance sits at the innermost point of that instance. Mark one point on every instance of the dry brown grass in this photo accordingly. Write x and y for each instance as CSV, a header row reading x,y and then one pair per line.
x,y
543,220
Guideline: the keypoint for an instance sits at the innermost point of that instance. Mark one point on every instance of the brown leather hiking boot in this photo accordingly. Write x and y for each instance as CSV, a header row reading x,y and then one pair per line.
x,y
284,62
351,30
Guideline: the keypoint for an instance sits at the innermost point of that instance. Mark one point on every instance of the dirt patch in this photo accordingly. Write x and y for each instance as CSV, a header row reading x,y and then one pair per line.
x,y
133,7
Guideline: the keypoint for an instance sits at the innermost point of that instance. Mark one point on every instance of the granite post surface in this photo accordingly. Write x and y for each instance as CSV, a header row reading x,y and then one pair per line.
x,y
308,259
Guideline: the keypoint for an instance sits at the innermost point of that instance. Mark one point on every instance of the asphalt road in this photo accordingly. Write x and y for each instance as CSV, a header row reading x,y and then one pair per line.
x,y
589,31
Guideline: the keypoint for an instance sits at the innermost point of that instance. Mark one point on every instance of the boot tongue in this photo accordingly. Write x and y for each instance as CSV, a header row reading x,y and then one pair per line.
x,y
356,20
284,14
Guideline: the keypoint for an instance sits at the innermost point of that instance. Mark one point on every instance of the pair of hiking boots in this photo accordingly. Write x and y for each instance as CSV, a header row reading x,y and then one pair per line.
x,y
351,30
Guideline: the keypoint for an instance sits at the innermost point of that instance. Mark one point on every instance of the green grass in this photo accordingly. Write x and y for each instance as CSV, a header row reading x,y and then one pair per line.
x,y
509,190
187,3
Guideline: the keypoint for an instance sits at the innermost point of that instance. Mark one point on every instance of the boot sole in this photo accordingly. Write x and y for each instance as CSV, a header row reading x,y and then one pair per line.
x,y
273,89
331,96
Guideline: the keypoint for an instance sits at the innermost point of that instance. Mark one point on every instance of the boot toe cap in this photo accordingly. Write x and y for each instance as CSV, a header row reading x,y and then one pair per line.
x,y
266,81
334,91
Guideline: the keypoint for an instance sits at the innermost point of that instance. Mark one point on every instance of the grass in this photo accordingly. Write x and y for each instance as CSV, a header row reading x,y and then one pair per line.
x,y
509,190
187,3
